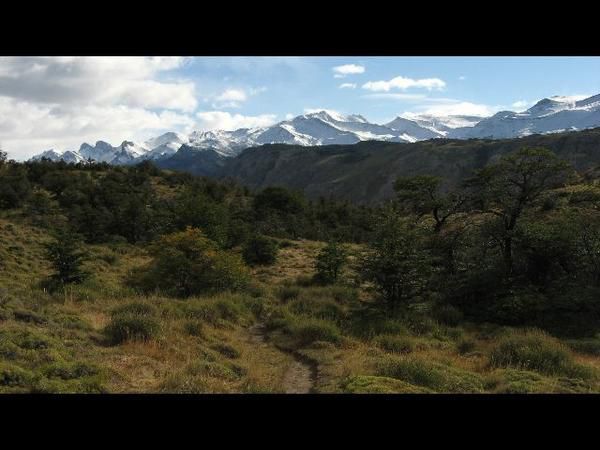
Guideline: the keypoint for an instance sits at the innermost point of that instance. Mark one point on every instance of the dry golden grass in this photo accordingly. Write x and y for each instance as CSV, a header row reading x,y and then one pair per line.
x,y
175,361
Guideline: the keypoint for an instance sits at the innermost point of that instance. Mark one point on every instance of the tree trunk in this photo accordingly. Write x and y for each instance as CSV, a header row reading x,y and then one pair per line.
x,y
507,254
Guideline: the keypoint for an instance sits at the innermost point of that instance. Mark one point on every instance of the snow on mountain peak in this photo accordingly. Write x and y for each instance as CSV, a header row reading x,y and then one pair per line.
x,y
324,127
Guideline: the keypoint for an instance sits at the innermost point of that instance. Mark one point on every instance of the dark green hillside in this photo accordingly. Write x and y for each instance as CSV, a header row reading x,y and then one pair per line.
x,y
365,172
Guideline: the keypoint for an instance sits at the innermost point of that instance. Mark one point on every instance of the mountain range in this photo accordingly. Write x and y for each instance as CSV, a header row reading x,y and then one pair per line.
x,y
550,115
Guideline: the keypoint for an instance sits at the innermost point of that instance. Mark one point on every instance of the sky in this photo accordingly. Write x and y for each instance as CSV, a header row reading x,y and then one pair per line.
x,y
60,102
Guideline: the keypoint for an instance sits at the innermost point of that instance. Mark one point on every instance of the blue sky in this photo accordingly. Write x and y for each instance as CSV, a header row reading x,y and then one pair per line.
x,y
61,102
294,84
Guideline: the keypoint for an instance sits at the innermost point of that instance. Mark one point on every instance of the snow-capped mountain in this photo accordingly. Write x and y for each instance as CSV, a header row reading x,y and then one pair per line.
x,y
550,115
53,155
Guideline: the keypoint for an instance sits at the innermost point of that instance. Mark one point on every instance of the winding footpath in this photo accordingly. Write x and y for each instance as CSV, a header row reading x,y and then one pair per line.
x,y
301,374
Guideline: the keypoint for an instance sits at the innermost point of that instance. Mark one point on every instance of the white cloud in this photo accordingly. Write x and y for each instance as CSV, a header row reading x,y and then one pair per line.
x,y
223,120
404,83
462,78
28,128
59,102
395,96
347,86
460,109
236,95
347,69
233,98
289,116
129,81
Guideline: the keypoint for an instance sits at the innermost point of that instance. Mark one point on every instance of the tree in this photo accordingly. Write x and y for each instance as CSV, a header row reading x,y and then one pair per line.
x,y
422,194
260,250
187,263
330,262
396,262
3,156
507,188
66,257
278,199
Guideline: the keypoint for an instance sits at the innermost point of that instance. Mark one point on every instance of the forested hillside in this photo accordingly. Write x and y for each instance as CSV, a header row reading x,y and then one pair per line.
x,y
365,172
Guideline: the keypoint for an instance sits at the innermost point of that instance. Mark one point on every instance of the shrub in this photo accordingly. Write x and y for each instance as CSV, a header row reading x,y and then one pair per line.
x,y
369,384
537,351
136,308
187,263
131,327
465,346
14,376
260,250
422,325
448,315
193,328
588,346
321,309
395,344
439,377
69,371
330,262
66,257
214,370
226,350
307,331
366,325
226,307
286,293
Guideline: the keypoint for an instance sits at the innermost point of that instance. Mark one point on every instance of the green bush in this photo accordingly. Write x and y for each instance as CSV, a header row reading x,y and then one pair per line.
x,y
70,371
587,346
537,351
187,263
214,370
260,250
448,315
318,308
131,327
219,309
286,293
369,384
436,376
465,346
330,262
14,376
307,331
395,344
226,350
364,325
193,328
136,308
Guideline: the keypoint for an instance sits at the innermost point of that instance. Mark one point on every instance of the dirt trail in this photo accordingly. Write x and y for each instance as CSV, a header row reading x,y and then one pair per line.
x,y
300,376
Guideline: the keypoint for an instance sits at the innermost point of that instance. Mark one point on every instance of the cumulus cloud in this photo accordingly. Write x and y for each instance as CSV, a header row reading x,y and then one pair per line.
x,y
396,96
129,81
59,102
233,98
28,128
460,109
348,86
347,69
223,120
404,83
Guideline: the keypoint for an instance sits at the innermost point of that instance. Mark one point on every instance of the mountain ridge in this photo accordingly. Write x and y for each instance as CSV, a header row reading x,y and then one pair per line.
x,y
550,115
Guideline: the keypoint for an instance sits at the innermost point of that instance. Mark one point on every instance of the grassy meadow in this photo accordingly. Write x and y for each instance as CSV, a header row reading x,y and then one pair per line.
x,y
72,341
